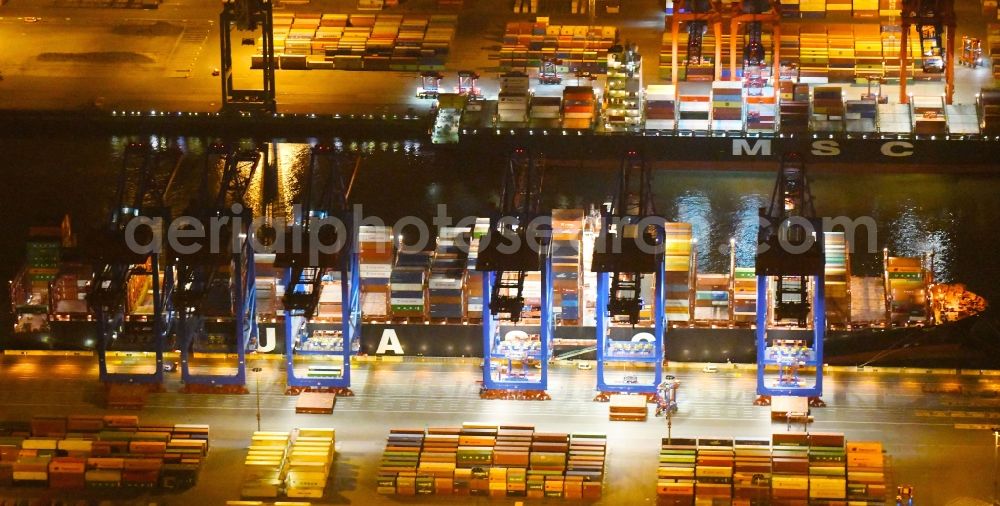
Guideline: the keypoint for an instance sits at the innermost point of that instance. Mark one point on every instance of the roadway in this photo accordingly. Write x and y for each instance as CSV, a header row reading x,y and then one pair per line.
x,y
163,59
937,442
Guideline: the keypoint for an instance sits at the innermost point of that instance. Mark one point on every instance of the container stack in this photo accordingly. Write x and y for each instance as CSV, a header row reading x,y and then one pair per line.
x,y
69,290
894,118
838,9
814,59
694,112
546,112
790,467
397,472
41,268
724,63
533,300
661,107
376,258
703,71
812,9
836,278
890,36
827,468
867,300
585,470
581,48
993,48
113,451
752,472
451,106
744,294
474,279
889,8
928,115
989,109
794,108
790,49
714,471
623,94
447,279
567,234
675,475
865,9
307,465
512,102
360,41
867,52
962,119
712,297
262,471
626,407
907,290
496,461
828,109
860,116
840,47
579,107
331,297
727,105
865,473
408,285
677,257
761,112
666,54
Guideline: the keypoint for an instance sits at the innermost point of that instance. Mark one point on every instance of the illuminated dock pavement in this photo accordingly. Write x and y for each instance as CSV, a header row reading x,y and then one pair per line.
x,y
919,429
168,67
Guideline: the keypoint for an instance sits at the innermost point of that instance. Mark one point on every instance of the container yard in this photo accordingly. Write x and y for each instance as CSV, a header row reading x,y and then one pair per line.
x,y
488,358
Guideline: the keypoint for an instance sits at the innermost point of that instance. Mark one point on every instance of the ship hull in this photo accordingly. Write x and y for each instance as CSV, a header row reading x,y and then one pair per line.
x,y
971,343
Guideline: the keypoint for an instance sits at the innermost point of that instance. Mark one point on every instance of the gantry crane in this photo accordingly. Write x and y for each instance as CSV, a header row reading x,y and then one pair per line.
x,y
319,334
790,266
516,354
214,295
130,292
253,16
698,14
628,248
754,14
934,20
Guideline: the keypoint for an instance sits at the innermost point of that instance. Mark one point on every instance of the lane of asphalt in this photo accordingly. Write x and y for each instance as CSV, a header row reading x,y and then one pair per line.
x,y
923,448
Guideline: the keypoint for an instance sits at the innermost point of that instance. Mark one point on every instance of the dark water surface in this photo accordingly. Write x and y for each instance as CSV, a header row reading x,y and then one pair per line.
x,y
954,216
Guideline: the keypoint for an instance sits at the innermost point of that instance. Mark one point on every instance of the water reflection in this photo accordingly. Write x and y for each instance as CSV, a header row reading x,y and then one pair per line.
x,y
916,232
948,215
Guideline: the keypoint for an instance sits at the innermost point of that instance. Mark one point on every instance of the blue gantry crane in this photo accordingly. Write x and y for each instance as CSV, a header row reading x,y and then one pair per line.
x,y
629,247
130,292
320,332
214,275
516,353
790,271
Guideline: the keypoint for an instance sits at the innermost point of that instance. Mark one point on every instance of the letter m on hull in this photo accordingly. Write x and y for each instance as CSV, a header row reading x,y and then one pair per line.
x,y
759,147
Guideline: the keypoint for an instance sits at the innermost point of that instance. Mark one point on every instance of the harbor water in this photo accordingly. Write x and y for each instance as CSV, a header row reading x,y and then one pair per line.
x,y
953,216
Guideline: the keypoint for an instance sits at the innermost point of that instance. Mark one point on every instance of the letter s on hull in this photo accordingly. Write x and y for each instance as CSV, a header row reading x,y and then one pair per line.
x,y
897,148
825,148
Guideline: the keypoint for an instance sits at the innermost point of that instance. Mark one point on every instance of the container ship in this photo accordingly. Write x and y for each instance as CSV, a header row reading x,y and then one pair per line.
x,y
430,302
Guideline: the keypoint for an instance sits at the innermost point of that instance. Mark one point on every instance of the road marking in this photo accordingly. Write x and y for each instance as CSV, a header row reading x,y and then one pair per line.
x,y
974,426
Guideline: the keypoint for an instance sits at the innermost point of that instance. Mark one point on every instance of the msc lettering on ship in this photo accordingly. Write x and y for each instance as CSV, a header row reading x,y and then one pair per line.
x,y
825,147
